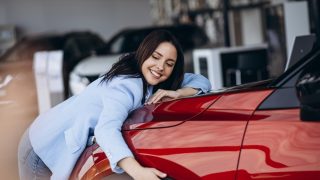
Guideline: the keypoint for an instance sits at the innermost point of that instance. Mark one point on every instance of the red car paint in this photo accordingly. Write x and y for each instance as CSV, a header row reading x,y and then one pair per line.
x,y
201,146
208,140
288,148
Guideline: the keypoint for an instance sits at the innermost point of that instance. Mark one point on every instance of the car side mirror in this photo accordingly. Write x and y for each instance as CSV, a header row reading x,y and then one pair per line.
x,y
308,91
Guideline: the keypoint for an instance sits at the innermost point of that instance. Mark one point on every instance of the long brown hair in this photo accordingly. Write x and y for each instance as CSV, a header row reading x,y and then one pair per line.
x,y
131,63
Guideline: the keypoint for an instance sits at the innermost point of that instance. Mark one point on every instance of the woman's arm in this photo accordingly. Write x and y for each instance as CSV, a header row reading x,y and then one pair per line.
x,y
165,95
192,84
120,97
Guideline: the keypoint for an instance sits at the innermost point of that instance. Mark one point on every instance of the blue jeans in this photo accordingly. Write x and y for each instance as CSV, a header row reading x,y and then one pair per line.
x,y
30,165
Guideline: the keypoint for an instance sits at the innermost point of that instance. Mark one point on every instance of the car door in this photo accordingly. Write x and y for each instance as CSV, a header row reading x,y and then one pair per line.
x,y
277,143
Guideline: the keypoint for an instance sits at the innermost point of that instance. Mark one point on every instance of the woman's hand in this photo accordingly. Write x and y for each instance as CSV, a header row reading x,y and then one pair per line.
x,y
148,174
163,95
166,95
137,172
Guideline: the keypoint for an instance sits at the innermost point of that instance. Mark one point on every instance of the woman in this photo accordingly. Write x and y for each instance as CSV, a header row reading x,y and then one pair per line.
x,y
55,140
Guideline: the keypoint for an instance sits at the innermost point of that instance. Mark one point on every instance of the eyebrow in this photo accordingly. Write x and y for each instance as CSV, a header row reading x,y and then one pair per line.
x,y
158,53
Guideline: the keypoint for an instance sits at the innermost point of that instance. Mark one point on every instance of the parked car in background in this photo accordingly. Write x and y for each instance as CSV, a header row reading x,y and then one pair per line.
x,y
128,40
75,45
252,131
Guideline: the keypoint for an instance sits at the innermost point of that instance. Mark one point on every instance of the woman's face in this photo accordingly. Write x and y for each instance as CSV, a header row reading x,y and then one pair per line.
x,y
159,66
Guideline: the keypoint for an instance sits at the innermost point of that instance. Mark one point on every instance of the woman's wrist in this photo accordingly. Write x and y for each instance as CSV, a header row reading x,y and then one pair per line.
x,y
135,172
131,166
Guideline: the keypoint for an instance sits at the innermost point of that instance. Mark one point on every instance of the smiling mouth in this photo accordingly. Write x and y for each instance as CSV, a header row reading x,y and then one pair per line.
x,y
155,74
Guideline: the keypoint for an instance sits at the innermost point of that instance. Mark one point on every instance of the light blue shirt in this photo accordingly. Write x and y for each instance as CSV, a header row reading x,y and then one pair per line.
x,y
59,136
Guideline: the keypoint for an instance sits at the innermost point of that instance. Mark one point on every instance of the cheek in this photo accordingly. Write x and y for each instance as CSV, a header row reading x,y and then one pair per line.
x,y
147,63
144,69
168,72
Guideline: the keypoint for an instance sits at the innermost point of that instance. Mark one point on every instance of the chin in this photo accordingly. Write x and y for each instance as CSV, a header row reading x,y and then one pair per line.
x,y
153,83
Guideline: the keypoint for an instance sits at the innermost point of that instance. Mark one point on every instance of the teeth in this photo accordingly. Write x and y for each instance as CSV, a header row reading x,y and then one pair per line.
x,y
155,73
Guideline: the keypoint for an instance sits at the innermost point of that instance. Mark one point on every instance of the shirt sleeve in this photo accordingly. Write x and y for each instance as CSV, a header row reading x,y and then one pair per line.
x,y
196,81
118,100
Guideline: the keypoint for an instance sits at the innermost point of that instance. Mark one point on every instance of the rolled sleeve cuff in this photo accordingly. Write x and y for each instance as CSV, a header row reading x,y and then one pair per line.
x,y
201,87
200,91
197,82
114,159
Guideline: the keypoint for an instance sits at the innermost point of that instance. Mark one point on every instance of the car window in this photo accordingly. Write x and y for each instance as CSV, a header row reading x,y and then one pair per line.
x,y
286,95
196,37
115,47
132,40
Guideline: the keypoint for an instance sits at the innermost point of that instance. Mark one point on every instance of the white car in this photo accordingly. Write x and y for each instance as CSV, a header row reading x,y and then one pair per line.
x,y
89,69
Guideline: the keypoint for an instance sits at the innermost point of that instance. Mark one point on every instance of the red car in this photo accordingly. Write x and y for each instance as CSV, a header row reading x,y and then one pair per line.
x,y
253,131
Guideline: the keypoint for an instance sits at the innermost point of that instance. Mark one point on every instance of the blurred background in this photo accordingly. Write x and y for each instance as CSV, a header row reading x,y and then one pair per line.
x,y
51,50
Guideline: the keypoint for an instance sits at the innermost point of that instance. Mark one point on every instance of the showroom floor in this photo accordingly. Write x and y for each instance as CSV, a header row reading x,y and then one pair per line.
x,y
18,108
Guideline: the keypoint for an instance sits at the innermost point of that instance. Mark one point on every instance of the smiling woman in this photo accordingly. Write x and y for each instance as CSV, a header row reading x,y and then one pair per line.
x,y
157,66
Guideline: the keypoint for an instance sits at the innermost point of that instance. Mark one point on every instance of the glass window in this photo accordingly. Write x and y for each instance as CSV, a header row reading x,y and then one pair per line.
x,y
115,47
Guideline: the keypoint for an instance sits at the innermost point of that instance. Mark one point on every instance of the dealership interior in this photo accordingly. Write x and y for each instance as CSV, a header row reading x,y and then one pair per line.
x,y
51,50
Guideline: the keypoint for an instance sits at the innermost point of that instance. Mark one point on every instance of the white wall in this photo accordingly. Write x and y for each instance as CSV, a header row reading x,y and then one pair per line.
x,y
105,17
295,12
252,32
2,13
246,27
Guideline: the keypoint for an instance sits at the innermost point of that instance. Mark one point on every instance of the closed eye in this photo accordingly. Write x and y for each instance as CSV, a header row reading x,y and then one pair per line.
x,y
155,57
170,64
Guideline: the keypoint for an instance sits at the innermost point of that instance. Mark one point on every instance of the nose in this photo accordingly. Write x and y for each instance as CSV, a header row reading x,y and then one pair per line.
x,y
160,65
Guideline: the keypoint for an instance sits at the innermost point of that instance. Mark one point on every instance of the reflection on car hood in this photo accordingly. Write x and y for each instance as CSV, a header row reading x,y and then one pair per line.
x,y
95,65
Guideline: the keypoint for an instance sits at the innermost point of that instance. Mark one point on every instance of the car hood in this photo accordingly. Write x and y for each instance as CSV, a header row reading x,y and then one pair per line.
x,y
95,65
172,113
